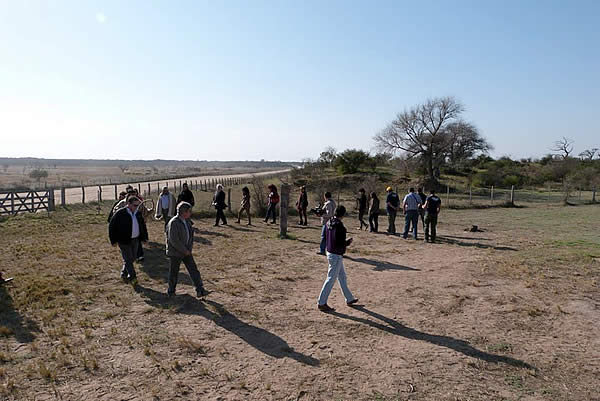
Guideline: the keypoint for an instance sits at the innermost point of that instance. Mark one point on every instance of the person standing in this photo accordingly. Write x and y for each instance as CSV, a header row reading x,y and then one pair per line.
x,y
432,207
245,205
220,204
272,205
328,212
180,240
165,206
392,203
302,206
186,195
362,204
374,213
423,198
127,229
336,247
119,204
410,205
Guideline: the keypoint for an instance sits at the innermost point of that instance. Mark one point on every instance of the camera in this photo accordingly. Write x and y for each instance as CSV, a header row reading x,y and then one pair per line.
x,y
319,211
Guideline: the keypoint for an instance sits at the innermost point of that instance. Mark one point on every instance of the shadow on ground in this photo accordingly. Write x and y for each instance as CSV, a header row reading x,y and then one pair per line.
x,y
20,327
259,338
381,266
451,241
156,264
393,327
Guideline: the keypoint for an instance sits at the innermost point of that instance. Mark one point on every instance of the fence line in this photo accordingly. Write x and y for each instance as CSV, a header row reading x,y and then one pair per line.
x,y
12,203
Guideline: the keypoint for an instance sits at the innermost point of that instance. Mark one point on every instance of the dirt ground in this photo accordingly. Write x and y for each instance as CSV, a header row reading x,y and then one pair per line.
x,y
510,313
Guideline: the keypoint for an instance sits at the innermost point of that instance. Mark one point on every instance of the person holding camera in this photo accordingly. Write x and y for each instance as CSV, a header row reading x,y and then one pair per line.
x,y
336,247
327,213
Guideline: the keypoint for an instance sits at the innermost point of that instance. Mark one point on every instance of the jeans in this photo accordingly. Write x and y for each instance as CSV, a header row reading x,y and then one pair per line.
x,y
220,217
412,217
335,272
128,253
392,221
430,221
165,216
192,269
374,221
323,238
271,211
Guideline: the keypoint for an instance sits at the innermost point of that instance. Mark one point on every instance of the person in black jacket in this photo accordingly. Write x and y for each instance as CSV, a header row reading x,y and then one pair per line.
x,y
220,204
127,229
362,205
186,195
336,247
122,197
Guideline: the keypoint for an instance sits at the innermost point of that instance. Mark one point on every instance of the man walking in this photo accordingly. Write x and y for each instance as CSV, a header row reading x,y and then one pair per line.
x,y
165,206
180,239
336,247
186,195
411,204
328,212
432,208
119,204
220,204
392,203
362,204
127,229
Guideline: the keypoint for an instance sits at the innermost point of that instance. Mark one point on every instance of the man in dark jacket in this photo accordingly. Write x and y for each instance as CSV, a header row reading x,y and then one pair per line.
x,y
336,247
180,239
186,195
116,205
127,229
362,204
220,204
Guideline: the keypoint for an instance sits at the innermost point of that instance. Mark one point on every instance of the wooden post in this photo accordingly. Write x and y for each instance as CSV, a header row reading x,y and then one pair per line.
x,y
51,202
512,195
116,192
63,201
149,189
283,210
139,188
12,203
470,194
492,195
99,193
180,187
82,194
448,194
229,199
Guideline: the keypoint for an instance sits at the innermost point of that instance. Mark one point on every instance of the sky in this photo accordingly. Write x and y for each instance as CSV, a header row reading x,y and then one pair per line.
x,y
282,80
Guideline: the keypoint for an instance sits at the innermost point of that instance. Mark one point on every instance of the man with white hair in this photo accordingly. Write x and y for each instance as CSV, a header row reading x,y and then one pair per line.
x,y
180,239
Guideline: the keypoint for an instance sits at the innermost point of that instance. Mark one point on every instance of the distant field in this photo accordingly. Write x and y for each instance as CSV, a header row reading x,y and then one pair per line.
x,y
510,313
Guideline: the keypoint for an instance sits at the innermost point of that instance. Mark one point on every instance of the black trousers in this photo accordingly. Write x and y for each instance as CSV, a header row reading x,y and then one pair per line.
x,y
374,222
221,217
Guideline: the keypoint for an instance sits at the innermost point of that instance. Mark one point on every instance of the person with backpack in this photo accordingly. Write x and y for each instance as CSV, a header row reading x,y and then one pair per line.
x,y
392,203
432,208
411,205
328,211
272,205
374,213
220,204
362,203
245,205
336,247
302,206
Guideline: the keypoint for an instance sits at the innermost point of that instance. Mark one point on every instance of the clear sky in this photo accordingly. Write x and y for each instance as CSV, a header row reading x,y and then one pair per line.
x,y
281,80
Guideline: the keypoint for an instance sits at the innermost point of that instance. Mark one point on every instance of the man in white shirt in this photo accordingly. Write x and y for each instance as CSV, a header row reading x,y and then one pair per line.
x,y
328,212
165,208
411,204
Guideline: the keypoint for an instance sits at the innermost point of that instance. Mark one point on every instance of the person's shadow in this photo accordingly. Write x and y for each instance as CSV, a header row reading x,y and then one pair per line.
x,y
259,338
452,241
20,327
156,264
381,266
393,327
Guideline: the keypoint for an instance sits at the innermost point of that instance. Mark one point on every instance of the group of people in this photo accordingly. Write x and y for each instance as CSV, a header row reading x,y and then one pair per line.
x,y
413,206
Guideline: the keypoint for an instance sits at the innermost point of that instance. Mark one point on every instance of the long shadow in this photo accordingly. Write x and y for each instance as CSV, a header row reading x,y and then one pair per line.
x,y
257,337
451,241
156,264
305,241
213,233
381,266
202,240
244,229
393,327
20,327
467,238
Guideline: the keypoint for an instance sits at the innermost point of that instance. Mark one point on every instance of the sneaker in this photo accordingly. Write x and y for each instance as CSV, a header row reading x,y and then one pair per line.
x,y
325,308
351,303
320,253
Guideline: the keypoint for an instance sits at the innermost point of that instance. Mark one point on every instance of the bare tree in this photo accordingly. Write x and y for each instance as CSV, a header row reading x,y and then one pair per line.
x,y
588,154
427,132
564,147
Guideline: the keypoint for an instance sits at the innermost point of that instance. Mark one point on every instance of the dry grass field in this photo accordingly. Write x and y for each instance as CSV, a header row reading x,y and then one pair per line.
x,y
510,313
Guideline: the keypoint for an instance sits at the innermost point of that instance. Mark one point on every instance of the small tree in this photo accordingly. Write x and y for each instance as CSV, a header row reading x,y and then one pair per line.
x,y
588,154
38,174
351,161
563,147
328,156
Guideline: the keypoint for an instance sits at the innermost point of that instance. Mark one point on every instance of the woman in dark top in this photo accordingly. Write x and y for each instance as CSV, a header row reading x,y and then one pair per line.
x,y
245,205
302,205
374,213
220,204
273,201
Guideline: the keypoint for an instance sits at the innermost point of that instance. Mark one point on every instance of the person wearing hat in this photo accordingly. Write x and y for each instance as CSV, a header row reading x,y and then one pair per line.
x,y
165,206
392,203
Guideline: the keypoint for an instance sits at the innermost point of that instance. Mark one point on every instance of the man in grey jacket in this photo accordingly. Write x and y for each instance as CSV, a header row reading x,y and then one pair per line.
x,y
180,239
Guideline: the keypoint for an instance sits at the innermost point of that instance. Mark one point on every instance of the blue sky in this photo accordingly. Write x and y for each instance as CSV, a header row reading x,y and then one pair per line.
x,y
281,80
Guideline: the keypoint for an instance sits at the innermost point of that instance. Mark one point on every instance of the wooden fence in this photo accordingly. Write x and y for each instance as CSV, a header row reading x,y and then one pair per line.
x,y
12,203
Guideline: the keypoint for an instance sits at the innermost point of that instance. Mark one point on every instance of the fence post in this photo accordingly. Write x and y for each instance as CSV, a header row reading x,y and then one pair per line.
x,y
283,210
139,188
512,195
229,199
51,204
448,194
82,194
12,203
99,193
149,190
492,195
470,194
116,194
63,201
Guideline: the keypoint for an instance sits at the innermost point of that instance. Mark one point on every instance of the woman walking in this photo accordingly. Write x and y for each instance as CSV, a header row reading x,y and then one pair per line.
x,y
374,213
245,205
273,201
302,205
